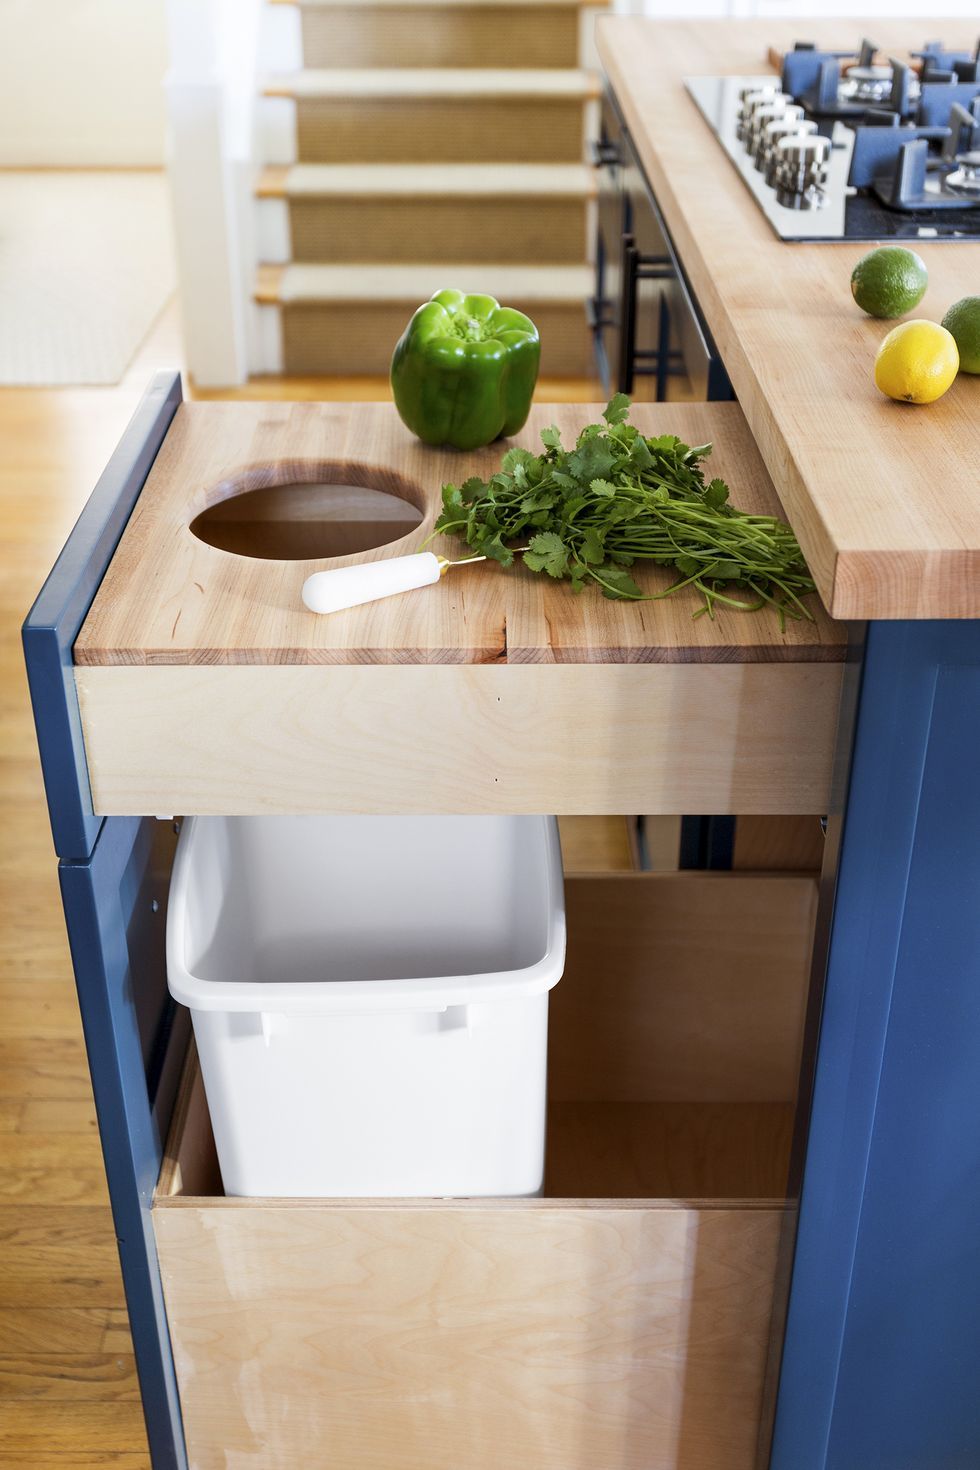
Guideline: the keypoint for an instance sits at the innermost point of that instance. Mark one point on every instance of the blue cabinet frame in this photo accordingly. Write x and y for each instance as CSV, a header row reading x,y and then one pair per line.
x,y
114,876
881,1358
880,1361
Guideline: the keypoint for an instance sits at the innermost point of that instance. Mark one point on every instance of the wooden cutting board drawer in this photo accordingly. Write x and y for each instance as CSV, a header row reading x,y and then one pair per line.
x,y
204,685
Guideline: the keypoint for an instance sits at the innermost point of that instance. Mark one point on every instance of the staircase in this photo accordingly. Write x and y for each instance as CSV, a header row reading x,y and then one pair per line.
x,y
422,144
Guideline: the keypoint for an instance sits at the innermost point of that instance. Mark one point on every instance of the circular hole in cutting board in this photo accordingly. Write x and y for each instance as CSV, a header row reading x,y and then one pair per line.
x,y
305,520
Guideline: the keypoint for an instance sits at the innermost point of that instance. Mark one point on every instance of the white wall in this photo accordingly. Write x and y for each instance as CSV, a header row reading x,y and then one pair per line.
x,y
81,82
887,9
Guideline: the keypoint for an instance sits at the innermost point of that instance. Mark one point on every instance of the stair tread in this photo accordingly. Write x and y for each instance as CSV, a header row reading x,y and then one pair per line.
x,y
426,180
279,285
462,82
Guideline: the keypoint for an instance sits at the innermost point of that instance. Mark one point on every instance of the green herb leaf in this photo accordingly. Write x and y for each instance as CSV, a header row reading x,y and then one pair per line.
x,y
616,583
724,571
495,549
716,493
666,444
517,456
640,455
617,409
551,438
538,500
548,553
592,548
592,460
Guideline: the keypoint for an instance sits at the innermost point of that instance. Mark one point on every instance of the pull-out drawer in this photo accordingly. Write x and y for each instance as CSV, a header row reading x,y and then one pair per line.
x,y
205,686
622,1320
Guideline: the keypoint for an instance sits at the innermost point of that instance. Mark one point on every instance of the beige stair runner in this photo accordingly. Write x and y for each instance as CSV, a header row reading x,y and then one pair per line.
x,y
436,144
333,314
427,33
402,213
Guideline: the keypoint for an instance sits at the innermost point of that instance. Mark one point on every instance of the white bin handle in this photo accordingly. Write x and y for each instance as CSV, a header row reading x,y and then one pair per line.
x,y
457,1020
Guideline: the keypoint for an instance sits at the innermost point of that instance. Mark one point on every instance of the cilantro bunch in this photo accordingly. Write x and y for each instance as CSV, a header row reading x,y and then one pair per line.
x,y
589,513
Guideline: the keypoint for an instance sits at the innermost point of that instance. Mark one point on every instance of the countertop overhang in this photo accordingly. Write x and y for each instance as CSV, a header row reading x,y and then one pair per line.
x,y
884,497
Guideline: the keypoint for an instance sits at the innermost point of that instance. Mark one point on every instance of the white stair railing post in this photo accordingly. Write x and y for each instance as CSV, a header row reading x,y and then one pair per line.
x,y
210,91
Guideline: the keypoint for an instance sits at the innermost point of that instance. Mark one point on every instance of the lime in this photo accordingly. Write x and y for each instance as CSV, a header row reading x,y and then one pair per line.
x,y
889,282
963,320
916,362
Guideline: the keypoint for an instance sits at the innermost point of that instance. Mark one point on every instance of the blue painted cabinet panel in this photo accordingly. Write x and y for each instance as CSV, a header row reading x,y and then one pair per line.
x,y
116,956
114,877
881,1366
912,1345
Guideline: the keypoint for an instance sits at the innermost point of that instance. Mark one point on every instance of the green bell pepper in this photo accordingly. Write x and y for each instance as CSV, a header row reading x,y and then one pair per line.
x,y
464,370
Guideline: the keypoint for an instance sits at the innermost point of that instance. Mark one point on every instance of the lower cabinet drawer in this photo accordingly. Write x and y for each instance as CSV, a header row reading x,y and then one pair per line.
x,y
620,1322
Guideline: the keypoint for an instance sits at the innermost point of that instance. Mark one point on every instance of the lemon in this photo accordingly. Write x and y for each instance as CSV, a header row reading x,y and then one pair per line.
x,y
916,362
963,320
888,282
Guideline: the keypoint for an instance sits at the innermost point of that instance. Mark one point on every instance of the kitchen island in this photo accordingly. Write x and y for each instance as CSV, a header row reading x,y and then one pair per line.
x,y
174,670
880,1362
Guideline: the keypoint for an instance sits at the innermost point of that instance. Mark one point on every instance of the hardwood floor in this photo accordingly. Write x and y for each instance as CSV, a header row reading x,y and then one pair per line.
x,y
68,1393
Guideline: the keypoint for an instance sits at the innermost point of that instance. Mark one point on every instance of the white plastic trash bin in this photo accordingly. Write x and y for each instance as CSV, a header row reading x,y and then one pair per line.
x,y
370,998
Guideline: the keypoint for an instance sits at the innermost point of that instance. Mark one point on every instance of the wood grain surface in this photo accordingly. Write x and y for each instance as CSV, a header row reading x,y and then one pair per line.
x,y
603,846
601,1144
573,739
537,1338
778,844
726,1151
170,599
883,496
682,987
388,1334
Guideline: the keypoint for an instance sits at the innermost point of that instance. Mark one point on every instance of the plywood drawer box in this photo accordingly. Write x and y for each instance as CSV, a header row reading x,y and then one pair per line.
x,y
205,686
621,1322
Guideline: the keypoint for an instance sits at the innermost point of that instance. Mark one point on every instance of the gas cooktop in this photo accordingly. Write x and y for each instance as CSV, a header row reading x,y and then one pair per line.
x,y
847,146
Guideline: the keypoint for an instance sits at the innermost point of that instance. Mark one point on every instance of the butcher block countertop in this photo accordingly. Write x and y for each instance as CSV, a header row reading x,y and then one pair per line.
x,y
885,497
170,598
